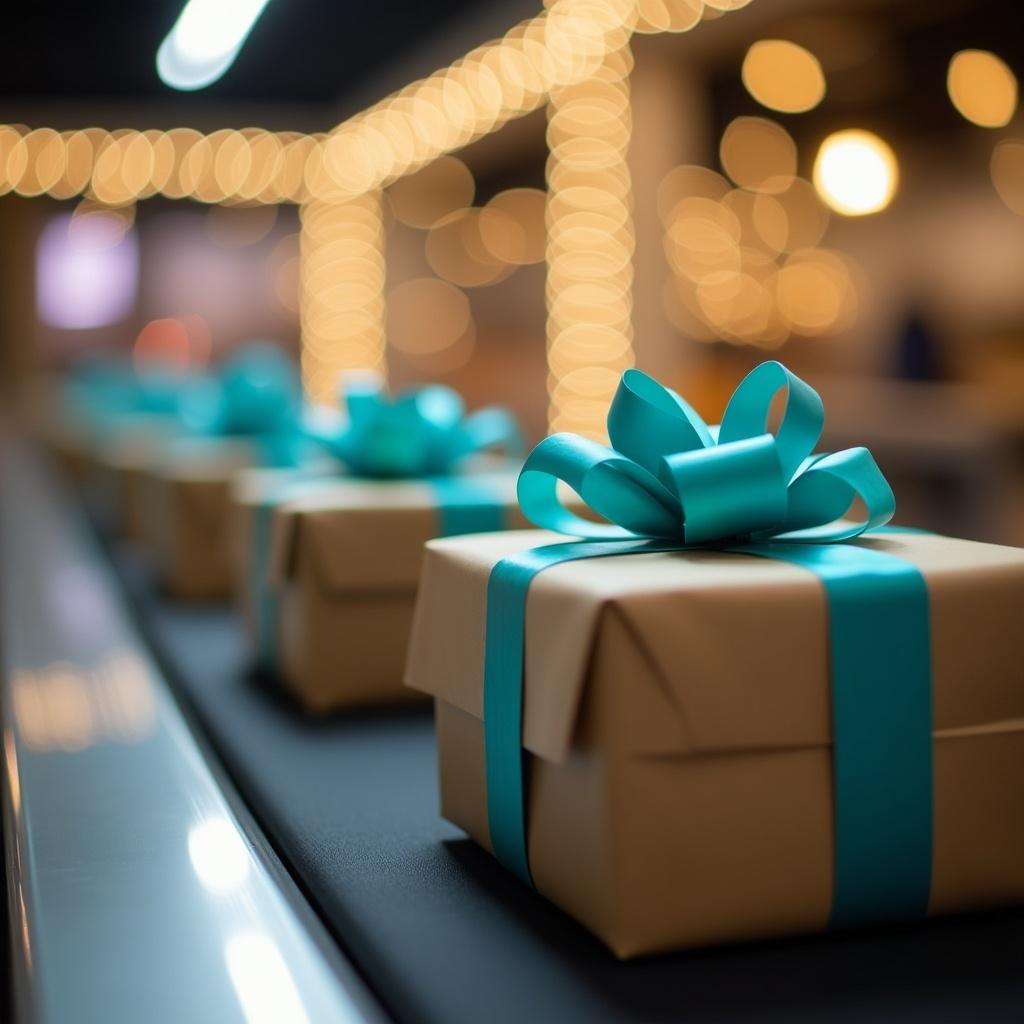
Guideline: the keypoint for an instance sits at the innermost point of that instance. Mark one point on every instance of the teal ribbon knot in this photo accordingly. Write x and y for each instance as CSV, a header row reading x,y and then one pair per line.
x,y
255,395
421,432
669,482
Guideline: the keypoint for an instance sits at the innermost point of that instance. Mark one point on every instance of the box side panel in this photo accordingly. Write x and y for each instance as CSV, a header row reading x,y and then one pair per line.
x,y
342,651
568,826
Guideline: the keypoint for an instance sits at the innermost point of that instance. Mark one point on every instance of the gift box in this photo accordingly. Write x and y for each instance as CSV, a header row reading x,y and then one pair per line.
x,y
256,494
329,563
685,738
119,457
186,498
344,566
246,414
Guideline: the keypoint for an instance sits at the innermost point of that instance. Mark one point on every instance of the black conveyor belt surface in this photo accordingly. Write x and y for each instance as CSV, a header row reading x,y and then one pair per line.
x,y
444,935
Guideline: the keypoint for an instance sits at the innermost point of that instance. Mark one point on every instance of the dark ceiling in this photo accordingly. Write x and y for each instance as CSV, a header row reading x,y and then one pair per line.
x,y
303,51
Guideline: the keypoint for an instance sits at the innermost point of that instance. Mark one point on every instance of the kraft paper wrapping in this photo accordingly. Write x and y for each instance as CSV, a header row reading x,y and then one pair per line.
x,y
121,458
250,489
345,564
677,724
187,502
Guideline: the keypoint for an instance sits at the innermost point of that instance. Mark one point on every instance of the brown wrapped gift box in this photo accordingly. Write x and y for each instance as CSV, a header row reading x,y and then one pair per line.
x,y
119,461
187,505
250,489
346,563
677,718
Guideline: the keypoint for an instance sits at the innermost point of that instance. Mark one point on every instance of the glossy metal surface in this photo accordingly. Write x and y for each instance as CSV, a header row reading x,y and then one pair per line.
x,y
136,893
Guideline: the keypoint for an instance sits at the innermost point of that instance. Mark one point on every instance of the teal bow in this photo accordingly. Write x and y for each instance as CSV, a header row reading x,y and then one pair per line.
x,y
256,394
101,390
671,482
669,476
421,432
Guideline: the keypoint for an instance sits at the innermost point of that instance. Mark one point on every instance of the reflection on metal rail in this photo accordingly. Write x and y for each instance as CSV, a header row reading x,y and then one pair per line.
x,y
135,892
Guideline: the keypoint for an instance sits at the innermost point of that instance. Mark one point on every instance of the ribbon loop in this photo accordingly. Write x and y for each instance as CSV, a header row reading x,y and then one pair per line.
x,y
647,421
668,475
420,432
746,415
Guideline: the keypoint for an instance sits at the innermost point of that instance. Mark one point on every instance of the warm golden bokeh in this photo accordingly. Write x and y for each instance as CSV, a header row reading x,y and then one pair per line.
x,y
590,245
783,76
655,16
856,172
512,225
982,88
456,251
433,192
744,265
758,154
341,297
427,316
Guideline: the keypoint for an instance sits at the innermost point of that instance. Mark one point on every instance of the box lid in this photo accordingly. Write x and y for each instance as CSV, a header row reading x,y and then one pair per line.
x,y
734,647
368,535
205,458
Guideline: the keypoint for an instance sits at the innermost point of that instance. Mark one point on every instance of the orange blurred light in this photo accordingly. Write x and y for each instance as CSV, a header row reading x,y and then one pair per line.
x,y
982,88
783,76
162,344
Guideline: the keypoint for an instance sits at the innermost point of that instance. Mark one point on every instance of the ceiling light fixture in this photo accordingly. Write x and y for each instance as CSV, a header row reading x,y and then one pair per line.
x,y
205,41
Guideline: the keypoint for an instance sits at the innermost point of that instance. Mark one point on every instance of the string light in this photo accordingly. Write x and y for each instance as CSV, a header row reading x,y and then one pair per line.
x,y
590,244
341,297
575,56
490,86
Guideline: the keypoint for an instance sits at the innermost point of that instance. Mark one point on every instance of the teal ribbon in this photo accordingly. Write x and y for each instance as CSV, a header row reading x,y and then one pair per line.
x,y
255,395
670,482
102,392
421,432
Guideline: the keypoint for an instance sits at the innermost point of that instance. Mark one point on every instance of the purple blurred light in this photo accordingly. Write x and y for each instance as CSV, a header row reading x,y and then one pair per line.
x,y
88,275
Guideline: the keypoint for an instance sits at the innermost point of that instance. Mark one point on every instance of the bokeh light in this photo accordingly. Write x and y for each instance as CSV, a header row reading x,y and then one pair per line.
x,y
745,264
982,88
341,298
758,154
163,344
457,252
783,76
512,225
432,193
426,316
855,172
656,16
86,277
589,245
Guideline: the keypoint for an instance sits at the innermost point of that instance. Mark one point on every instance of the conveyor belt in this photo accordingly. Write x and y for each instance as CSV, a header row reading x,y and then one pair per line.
x,y
444,935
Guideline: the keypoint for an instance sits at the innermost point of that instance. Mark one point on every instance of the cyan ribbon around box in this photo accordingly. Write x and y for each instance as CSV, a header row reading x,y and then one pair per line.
x,y
669,482
421,434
